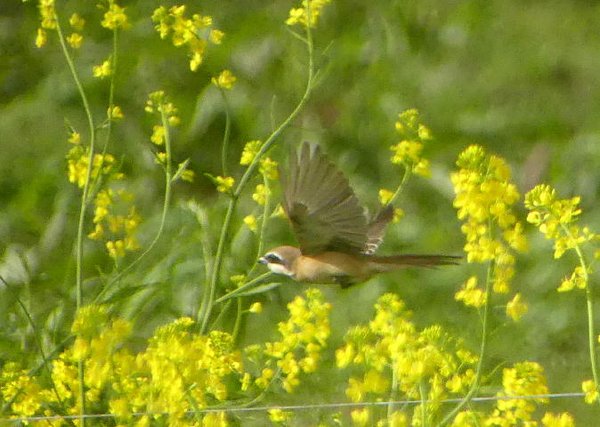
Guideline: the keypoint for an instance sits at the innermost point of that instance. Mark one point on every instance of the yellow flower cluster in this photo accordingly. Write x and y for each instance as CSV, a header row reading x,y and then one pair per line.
x,y
303,336
118,229
103,70
523,379
563,419
78,161
396,357
251,222
75,39
195,32
409,151
260,194
268,168
515,406
591,391
158,102
224,183
225,80
484,200
178,372
17,387
251,149
114,17
307,14
555,218
47,21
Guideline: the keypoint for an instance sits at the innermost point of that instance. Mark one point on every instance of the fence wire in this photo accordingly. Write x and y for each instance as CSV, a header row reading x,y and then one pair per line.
x,y
330,406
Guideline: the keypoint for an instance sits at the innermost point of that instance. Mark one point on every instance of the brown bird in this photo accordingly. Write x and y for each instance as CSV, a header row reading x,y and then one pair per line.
x,y
337,241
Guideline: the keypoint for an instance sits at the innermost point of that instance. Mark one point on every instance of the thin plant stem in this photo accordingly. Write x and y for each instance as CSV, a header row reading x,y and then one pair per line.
x,y
405,176
482,349
83,206
590,309
244,287
238,320
423,403
393,393
165,209
226,134
209,294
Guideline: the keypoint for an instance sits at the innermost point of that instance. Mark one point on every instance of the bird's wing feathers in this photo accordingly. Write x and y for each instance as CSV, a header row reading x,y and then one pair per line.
x,y
324,212
377,229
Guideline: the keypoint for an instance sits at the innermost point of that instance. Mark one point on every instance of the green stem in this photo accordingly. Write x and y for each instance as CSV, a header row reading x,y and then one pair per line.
x,y
165,209
393,393
225,145
590,308
208,301
238,320
84,203
405,176
244,287
423,395
482,349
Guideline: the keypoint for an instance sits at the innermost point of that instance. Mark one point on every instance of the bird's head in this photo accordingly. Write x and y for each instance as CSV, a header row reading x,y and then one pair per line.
x,y
280,260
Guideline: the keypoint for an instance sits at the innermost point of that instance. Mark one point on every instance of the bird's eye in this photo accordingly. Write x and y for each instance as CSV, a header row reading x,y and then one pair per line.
x,y
271,257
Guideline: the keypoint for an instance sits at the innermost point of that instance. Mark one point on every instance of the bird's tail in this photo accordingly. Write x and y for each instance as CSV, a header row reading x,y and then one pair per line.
x,y
387,263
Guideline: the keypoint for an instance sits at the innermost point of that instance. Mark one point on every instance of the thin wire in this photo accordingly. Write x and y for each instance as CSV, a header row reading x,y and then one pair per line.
x,y
338,405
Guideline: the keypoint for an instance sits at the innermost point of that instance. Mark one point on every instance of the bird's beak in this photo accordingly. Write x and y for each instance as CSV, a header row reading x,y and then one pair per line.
x,y
262,260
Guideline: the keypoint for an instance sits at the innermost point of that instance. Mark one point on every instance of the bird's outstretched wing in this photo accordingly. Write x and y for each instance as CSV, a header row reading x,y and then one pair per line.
x,y
324,212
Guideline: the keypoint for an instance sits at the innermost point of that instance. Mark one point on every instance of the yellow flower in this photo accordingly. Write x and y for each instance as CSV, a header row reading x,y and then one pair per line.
x,y
360,417
116,249
74,138
115,17
249,152
563,419
516,308
41,38
279,416
114,113
224,183
308,14
225,80
215,419
255,308
77,22
158,135
466,419
398,215
75,40
216,37
251,223
195,33
47,14
161,158
408,152
261,193
385,196
103,70
188,175
555,217
471,294
268,167
591,391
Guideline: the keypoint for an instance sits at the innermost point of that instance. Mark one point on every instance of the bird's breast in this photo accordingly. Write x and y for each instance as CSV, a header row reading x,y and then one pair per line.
x,y
330,267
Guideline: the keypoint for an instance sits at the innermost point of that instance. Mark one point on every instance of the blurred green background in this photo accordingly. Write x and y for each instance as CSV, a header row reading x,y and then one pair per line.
x,y
519,78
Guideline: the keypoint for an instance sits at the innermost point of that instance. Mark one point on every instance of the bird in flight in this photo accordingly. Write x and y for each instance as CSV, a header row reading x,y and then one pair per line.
x,y
336,240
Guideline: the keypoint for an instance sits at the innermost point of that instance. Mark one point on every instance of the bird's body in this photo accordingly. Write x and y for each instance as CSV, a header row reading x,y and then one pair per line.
x,y
337,242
